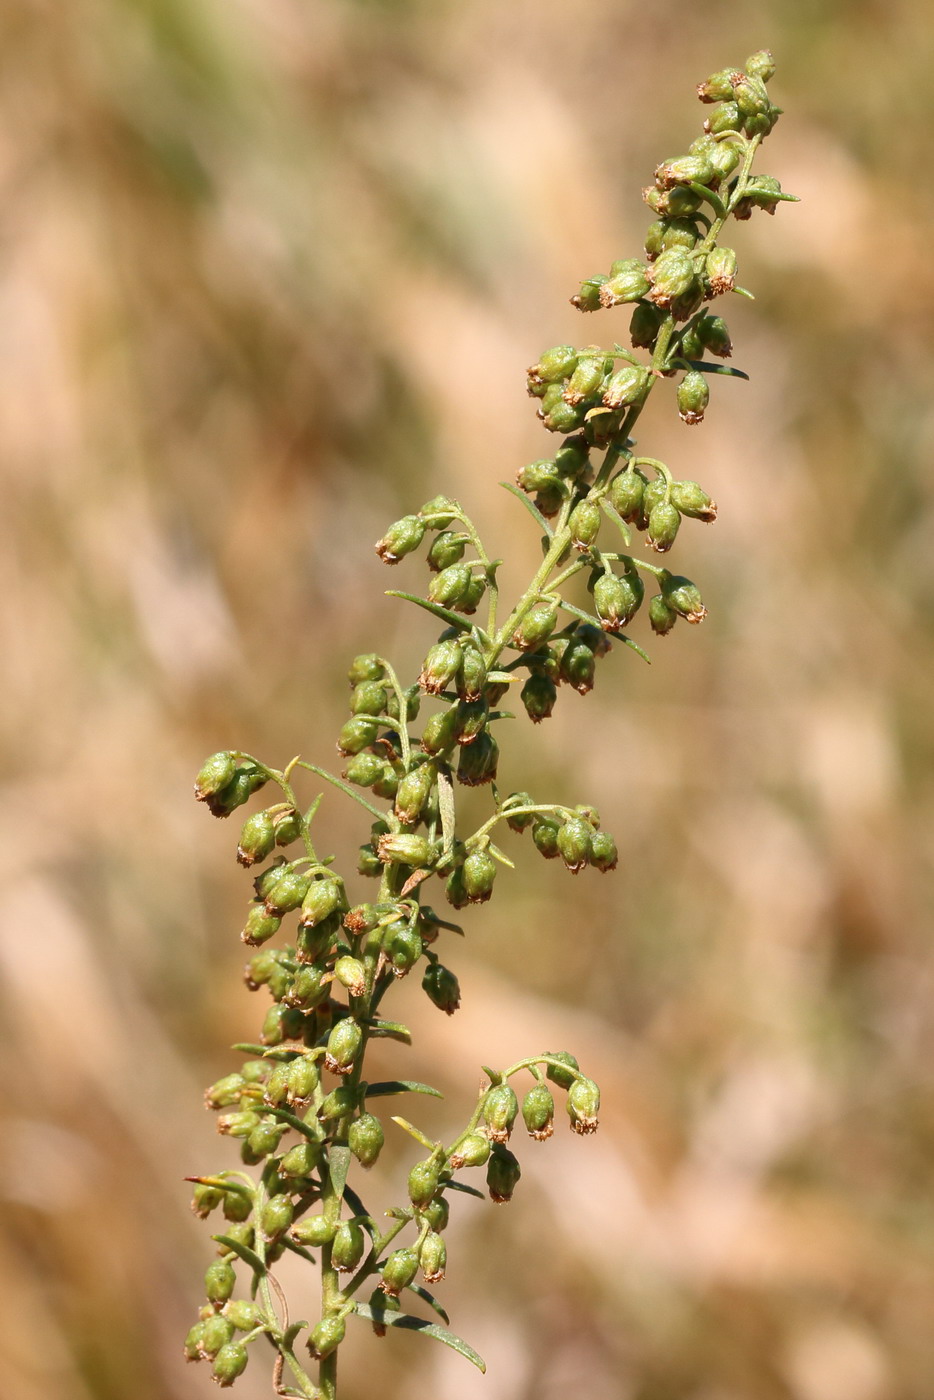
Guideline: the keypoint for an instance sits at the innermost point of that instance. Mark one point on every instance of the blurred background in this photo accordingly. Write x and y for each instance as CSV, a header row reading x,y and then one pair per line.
x,y
270,275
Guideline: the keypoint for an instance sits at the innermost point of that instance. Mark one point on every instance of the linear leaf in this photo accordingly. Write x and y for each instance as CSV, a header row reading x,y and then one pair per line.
x,y
709,367
400,1086
467,1190
386,1318
393,1030
451,618
293,1121
430,1299
358,1208
530,506
298,1249
244,1251
446,808
338,1167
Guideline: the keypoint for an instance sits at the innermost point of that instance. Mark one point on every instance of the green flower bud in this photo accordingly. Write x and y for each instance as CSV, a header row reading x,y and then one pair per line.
x,y
502,1174
574,838
357,734
304,1078
719,86
277,1216
216,1332
347,1249
584,524
455,890
556,364
432,1257
192,1350
264,1140
323,898
664,521
479,875
442,510
762,192
750,95
423,1182
644,325
562,1077
521,820
257,838
315,1230
655,492
365,1139
450,586
260,926
617,600
400,539
405,946
625,387
287,892
691,499
539,476
584,384
588,298
684,170
442,987
537,625
677,203
572,458
344,1045
366,667
216,773
399,1271
761,65
351,973
368,698
247,779
238,1125
448,548
628,283
500,1108
724,156
578,665
288,827
670,233
241,1232
626,494
545,836
726,117
538,1112
277,1085
440,733
440,667
368,862
683,597
474,1151
672,276
715,336
265,880
603,853
583,1105
256,1071
243,1314
204,1199
229,1363
473,674
301,1160
326,1336
721,271
413,792
693,397
478,761
539,695
364,769
405,849
225,1092
282,1023
661,616
237,1206
563,417
219,1281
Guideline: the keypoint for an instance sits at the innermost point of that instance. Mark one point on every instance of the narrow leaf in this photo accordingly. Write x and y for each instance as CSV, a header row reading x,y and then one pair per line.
x,y
451,618
430,1299
386,1318
579,612
714,200
400,1086
293,1121
467,1190
298,1249
530,506
358,1208
742,292
446,808
501,678
414,1132
244,1251
710,368
634,646
338,1167
392,1030
497,854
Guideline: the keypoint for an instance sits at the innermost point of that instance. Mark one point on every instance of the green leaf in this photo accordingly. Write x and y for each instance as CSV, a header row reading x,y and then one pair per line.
x,y
530,506
430,1299
742,292
392,1030
244,1251
414,1132
293,1121
446,808
386,1318
579,612
709,367
467,1190
634,646
451,618
358,1208
497,854
298,1249
713,199
385,1087
338,1167
501,678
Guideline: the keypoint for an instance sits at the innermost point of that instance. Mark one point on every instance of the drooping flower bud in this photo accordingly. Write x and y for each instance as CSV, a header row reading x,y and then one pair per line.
x,y
479,873
243,1314
617,599
364,769
626,494
442,510
315,1230
436,1213
404,849
502,1174
584,524
326,1336
277,1216
473,673
538,1112
448,548
661,616
287,891
365,1139
545,836
644,325
539,476
626,386
627,283
413,792
257,838
301,1160
693,397
574,843
537,625
368,698
584,384
521,820
556,364
440,666
761,65
399,1271
288,827
721,271
677,203
366,667
192,1349
404,946
432,1257
719,86
357,734
348,1246
684,170
583,1105
225,1092
558,1075
229,1363
538,695
727,117
450,586
216,773
442,987
500,1108
578,665
472,1152
344,1045
440,733
664,522
603,852
403,537
715,336
423,1182
304,1078
219,1281
260,925
472,719
322,898
351,973
750,95
673,275
683,597
588,298
691,499
477,762
338,1103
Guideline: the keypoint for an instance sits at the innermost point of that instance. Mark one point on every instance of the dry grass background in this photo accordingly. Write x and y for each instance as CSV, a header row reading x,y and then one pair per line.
x,y
270,272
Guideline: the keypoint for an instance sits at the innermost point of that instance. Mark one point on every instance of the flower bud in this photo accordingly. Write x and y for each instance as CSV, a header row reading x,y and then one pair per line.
x,y
405,946
556,364
368,698
362,918
357,734
204,1199
446,549
750,95
413,792
626,494
225,1092
670,233
603,852
563,417
436,1213
588,298
693,397
277,1216
644,325
677,203
672,276
477,762
617,599
326,1336
351,973
216,1332
479,875
344,1044
288,827
545,836
366,667
627,386
216,773
400,539
655,492
450,586
683,597
440,666
578,665
257,838
502,1174
715,336
537,625
281,1023
664,522
322,898
192,1350
315,1230
574,838
691,499
539,695
246,780
721,271
364,769
244,1315
238,1125
583,1105
347,1249
229,1363
474,1151
684,170
423,1182
442,510
454,889
304,1078
661,616
263,1140
521,820
473,673
584,524
584,384
301,1160
368,863
500,1108
539,476
432,1257
627,283
726,117
442,987
440,733
762,192
719,86
260,926
474,594
399,1271
277,1085
219,1281
761,65
365,1139
562,1077
404,849
538,1112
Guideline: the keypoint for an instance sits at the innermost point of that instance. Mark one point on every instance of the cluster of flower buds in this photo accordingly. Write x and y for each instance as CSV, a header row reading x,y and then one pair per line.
x,y
574,834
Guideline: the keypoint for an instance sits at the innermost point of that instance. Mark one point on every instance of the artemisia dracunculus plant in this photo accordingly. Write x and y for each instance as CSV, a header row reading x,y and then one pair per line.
x,y
301,1105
